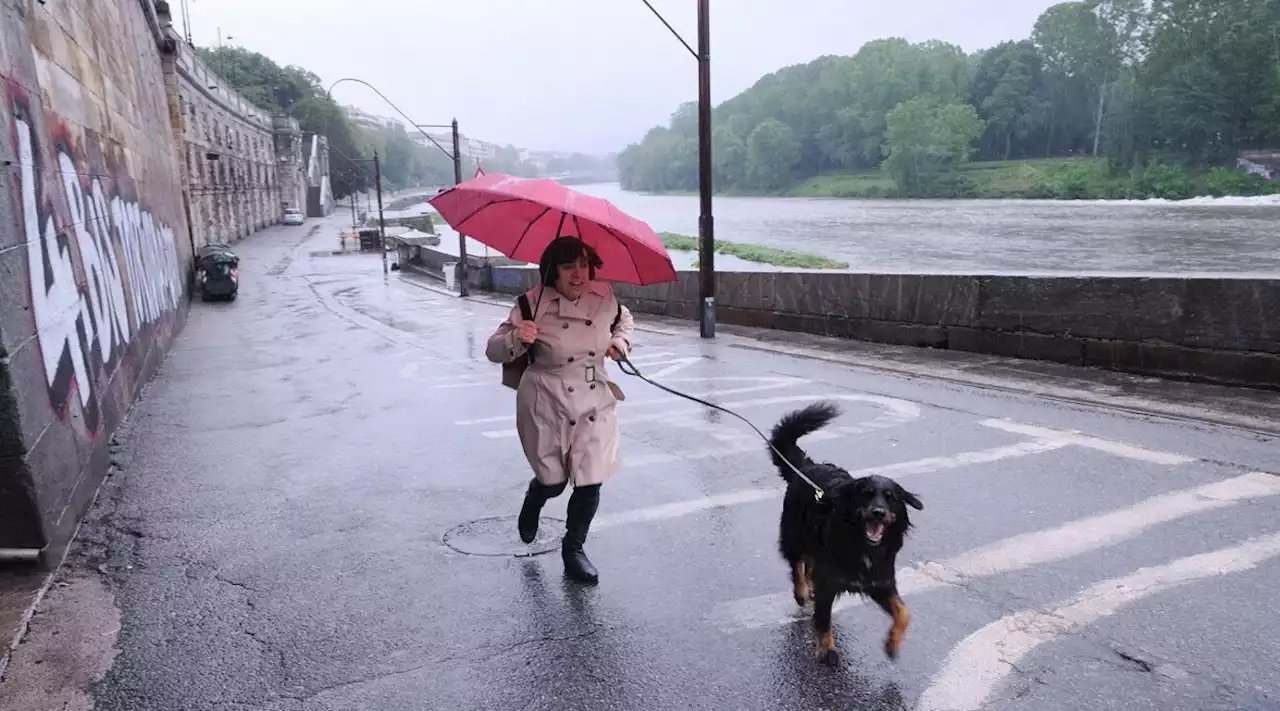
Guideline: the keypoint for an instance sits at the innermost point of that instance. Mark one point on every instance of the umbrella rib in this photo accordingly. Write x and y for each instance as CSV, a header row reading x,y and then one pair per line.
x,y
487,205
528,227
627,244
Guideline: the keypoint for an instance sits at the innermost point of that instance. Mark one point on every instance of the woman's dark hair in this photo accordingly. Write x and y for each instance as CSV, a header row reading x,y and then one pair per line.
x,y
566,250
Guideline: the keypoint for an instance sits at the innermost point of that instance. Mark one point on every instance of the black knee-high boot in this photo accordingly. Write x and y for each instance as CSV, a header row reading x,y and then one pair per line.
x,y
582,508
536,495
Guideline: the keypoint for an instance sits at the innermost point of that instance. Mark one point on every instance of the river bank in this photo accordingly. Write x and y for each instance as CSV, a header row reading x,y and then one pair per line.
x,y
1050,179
771,256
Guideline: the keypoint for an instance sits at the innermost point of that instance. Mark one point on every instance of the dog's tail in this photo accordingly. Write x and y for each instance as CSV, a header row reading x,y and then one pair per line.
x,y
791,428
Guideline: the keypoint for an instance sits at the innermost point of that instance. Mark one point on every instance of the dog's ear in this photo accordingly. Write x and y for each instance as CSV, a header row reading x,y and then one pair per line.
x,y
911,499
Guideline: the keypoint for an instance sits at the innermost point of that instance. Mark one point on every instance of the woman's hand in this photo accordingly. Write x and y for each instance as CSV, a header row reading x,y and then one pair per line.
x,y
617,349
527,332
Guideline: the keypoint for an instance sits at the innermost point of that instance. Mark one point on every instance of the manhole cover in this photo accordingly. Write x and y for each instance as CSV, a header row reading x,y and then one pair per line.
x,y
498,537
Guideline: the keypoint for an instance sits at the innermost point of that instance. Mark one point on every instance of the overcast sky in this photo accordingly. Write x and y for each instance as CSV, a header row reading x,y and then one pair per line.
x,y
585,75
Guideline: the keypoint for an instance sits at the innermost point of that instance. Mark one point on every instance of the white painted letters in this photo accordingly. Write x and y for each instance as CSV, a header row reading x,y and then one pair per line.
x,y
84,322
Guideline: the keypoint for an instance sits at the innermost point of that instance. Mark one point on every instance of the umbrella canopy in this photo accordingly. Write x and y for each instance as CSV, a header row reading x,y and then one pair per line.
x,y
519,217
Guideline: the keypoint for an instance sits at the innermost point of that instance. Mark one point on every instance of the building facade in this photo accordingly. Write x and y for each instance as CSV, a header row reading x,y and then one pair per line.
x,y
228,155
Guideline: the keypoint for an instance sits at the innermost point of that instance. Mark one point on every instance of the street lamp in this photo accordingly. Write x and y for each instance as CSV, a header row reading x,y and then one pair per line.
x,y
382,231
457,170
706,224
457,178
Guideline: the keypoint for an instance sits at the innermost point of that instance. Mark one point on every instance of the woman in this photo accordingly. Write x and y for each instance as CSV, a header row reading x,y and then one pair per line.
x,y
565,403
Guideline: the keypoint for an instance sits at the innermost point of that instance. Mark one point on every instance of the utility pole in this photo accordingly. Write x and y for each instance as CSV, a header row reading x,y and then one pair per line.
x,y
382,233
462,239
706,224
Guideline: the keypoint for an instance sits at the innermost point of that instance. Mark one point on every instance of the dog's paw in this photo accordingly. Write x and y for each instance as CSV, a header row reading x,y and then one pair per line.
x,y
829,657
891,646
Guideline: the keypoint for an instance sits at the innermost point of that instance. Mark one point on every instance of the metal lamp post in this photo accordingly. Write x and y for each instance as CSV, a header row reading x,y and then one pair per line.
x,y
457,168
706,223
457,178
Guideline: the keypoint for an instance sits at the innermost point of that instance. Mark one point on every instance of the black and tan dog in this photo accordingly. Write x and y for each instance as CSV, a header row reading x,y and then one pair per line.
x,y
846,543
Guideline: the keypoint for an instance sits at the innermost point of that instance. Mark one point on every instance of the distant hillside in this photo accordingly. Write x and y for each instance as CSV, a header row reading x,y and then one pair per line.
x,y
1168,80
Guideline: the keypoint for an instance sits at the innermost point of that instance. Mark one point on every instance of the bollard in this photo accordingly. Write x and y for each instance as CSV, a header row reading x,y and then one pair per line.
x,y
448,274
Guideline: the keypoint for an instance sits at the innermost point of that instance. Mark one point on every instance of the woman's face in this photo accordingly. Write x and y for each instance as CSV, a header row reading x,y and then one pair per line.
x,y
573,278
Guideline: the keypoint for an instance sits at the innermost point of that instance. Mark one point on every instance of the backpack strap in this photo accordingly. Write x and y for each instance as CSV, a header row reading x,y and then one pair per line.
x,y
526,312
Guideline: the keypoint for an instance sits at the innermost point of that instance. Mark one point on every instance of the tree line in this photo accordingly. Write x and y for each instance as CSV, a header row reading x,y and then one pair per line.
x,y
298,93
1145,85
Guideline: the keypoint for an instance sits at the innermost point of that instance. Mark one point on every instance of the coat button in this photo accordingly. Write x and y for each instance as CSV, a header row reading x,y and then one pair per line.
x,y
564,325
592,354
572,422
588,322
570,359
591,417
593,386
570,388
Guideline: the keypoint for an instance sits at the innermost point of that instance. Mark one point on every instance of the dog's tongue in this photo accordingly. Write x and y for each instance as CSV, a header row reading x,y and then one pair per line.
x,y
875,531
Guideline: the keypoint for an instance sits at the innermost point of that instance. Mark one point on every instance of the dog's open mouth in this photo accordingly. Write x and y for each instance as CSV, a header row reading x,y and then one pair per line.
x,y
875,531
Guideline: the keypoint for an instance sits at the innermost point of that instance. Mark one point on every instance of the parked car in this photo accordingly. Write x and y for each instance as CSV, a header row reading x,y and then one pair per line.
x,y
293,216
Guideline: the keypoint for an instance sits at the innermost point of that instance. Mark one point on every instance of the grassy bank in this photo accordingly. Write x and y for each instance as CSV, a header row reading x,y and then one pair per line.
x,y
1052,179
754,253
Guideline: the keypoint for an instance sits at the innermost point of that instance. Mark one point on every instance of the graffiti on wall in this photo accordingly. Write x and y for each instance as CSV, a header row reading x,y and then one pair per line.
x,y
129,276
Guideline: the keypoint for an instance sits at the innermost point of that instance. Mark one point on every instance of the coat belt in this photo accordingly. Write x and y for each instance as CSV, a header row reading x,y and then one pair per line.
x,y
572,371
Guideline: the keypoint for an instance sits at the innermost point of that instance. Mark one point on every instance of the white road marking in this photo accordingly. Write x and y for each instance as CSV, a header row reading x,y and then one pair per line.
x,y
745,496
672,367
1022,551
755,446
900,412
766,383
964,459
1119,449
678,418
466,376
978,665
495,383
420,359
677,509
639,358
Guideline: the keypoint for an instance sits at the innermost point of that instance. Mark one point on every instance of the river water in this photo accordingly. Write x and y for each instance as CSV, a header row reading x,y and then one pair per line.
x,y
1229,235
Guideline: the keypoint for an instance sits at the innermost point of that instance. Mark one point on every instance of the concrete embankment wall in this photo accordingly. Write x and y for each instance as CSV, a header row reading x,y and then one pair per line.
x,y
121,154
1220,330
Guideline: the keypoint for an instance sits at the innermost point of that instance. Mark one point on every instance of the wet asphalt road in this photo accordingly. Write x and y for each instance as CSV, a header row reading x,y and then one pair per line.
x,y
315,510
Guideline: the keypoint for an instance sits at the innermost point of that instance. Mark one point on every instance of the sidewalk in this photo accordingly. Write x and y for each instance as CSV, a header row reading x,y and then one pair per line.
x,y
315,501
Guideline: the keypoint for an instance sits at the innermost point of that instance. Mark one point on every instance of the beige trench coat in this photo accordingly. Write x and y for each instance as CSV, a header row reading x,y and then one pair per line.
x,y
565,408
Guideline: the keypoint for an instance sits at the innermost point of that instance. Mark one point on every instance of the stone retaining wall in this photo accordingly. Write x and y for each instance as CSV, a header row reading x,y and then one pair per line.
x,y
1224,330
94,249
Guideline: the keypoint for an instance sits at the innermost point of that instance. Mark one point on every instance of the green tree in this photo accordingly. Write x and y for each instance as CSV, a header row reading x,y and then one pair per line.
x,y
729,153
1189,81
772,155
1081,54
1006,89
925,139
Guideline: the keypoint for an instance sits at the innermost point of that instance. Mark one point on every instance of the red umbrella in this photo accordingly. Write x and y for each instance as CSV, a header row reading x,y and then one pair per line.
x,y
521,216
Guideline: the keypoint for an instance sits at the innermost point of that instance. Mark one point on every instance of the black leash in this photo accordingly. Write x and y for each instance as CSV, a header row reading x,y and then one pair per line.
x,y
624,361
